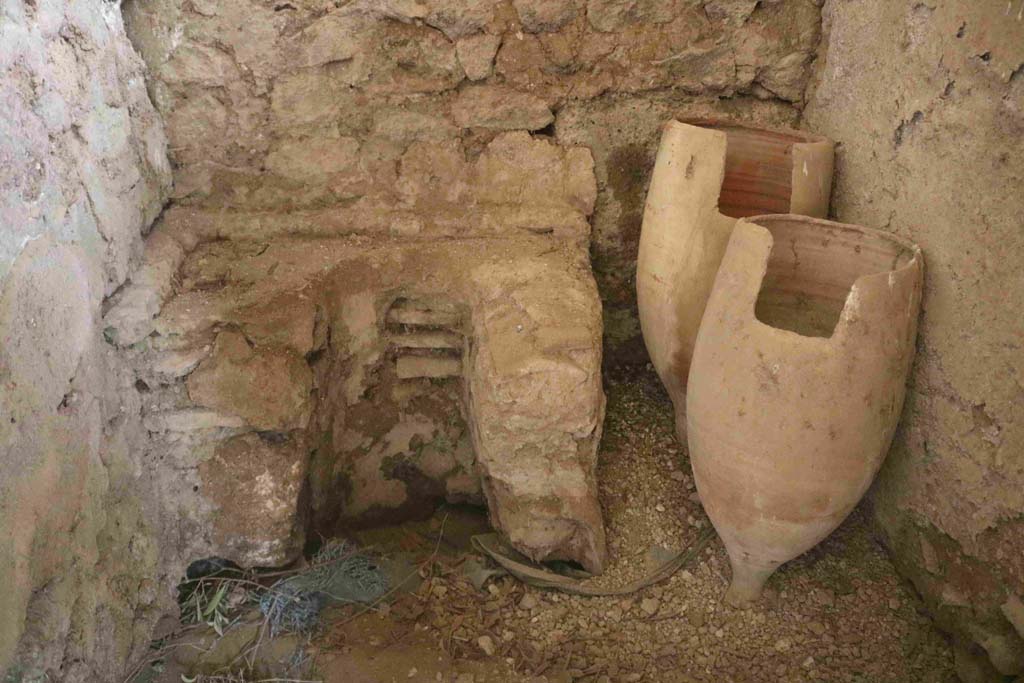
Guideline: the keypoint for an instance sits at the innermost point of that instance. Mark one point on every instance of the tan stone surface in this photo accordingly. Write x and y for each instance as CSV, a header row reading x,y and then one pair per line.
x,y
500,108
252,114
476,54
83,173
269,389
516,420
545,16
254,483
927,103
538,407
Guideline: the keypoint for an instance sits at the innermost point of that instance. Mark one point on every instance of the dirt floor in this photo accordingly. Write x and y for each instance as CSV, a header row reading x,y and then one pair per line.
x,y
839,613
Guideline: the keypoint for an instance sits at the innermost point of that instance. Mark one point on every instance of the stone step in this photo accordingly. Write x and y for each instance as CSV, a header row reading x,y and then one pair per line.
x,y
423,318
410,367
432,339
424,314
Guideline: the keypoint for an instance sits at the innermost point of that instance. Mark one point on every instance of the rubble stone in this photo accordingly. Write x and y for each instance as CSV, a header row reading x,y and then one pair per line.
x,y
476,54
544,16
533,408
269,389
501,108
396,73
459,18
734,11
254,483
612,15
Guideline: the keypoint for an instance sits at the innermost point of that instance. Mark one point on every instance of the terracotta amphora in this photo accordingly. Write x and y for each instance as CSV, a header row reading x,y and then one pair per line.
x,y
797,383
708,174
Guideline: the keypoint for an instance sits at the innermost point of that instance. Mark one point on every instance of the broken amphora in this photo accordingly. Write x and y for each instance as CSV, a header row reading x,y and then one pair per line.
x,y
705,177
797,383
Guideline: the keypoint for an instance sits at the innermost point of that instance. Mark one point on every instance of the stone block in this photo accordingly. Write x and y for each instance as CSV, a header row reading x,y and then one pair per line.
x,y
254,483
269,388
500,108
544,16
476,55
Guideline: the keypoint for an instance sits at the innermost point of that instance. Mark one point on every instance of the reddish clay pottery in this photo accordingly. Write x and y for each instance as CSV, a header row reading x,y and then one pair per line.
x,y
797,383
705,177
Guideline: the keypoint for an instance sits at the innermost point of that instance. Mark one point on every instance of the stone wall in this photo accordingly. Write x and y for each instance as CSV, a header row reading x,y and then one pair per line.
x,y
926,100
83,173
343,107
404,123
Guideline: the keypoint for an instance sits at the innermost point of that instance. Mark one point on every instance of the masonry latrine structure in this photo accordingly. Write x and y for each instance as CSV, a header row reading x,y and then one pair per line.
x,y
286,285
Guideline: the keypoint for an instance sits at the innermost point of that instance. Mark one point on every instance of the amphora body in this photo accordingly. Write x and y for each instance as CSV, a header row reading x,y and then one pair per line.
x,y
797,383
708,174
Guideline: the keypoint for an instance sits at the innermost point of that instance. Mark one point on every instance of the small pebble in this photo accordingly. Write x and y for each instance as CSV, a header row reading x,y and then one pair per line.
x,y
486,644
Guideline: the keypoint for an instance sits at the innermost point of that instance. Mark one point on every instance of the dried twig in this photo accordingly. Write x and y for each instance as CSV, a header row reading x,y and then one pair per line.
x,y
160,652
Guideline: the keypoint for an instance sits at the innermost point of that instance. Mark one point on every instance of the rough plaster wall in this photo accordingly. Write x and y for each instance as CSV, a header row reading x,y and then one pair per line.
x,y
927,102
310,104
83,172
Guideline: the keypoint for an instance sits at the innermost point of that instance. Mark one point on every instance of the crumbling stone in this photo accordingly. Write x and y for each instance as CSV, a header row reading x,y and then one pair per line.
x,y
203,65
517,165
286,322
651,60
459,18
255,482
612,15
311,96
409,59
734,11
268,388
501,108
301,160
83,173
333,38
408,126
544,16
476,54
535,360
190,420
533,404
785,78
